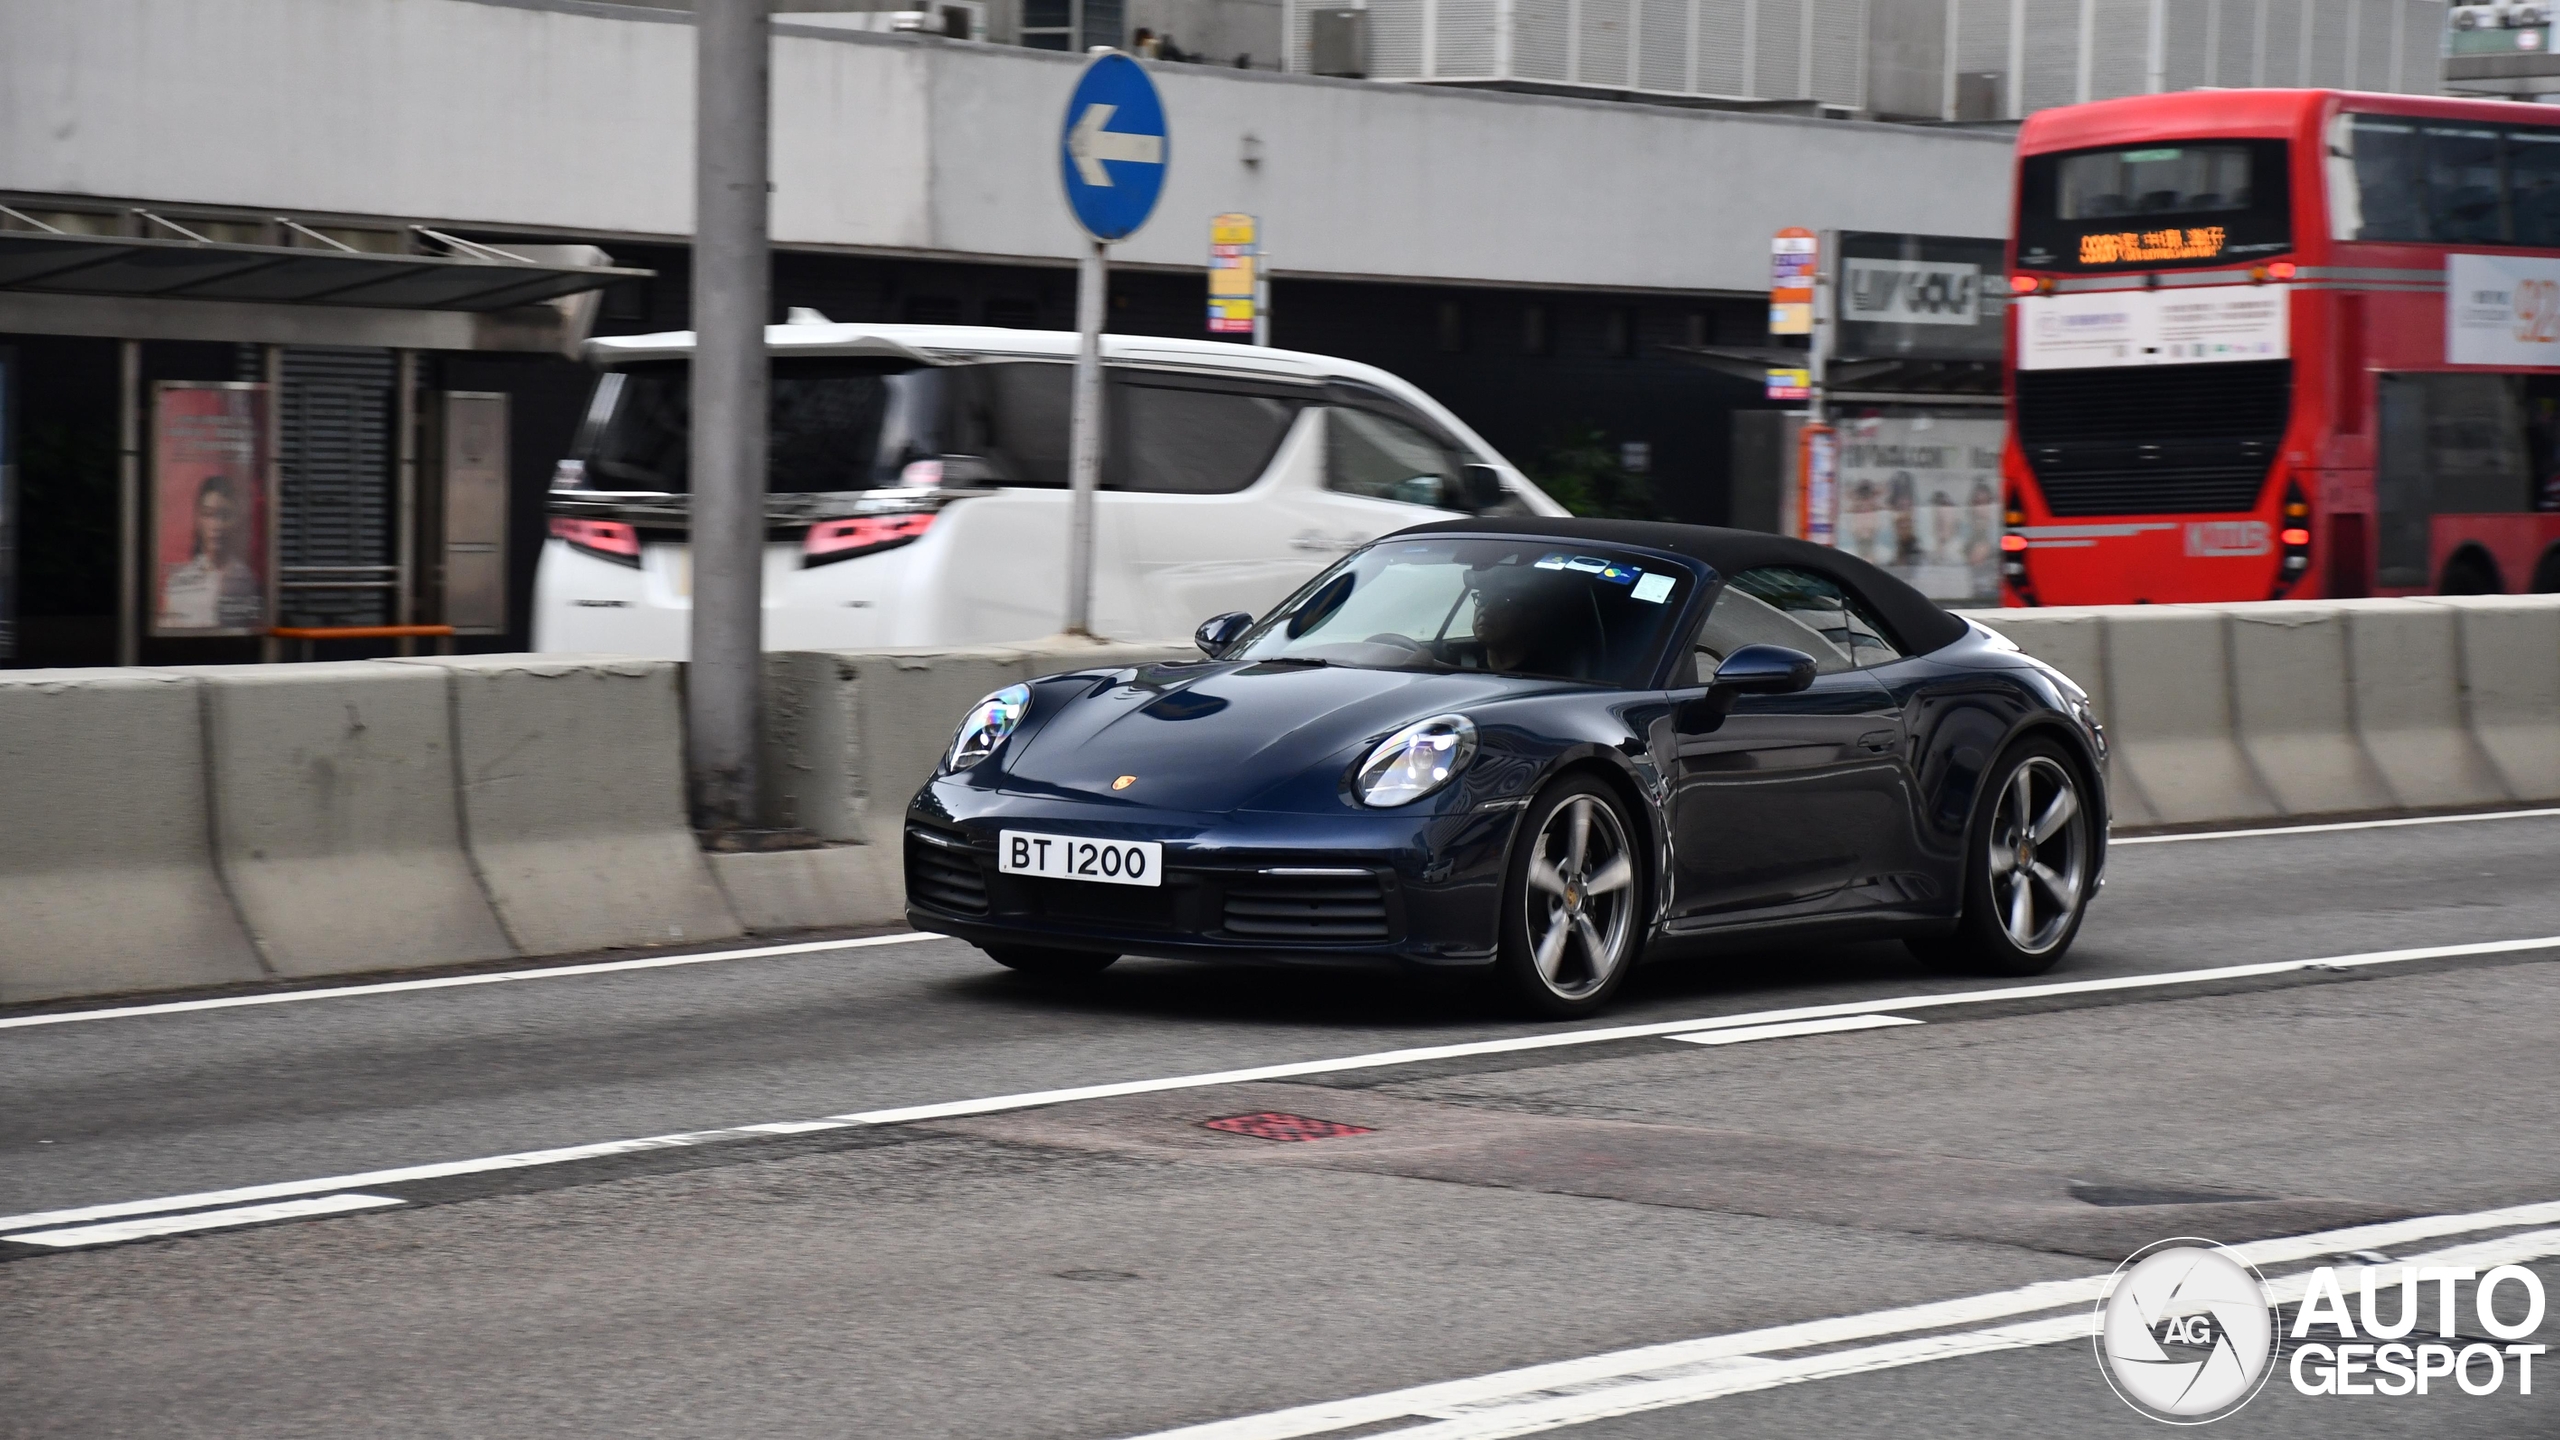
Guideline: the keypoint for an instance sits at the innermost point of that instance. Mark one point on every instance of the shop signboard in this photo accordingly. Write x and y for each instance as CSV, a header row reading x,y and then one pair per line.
x,y
1919,496
1795,255
213,552
1920,297
1235,268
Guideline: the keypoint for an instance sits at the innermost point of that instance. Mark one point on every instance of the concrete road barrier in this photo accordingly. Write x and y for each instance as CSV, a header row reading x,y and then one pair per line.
x,y
107,881
851,735
2291,711
334,817
2510,647
572,799
2404,659
2175,745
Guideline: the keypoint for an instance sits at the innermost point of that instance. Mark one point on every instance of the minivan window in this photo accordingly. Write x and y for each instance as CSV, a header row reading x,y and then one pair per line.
x,y
1185,441
1370,454
827,421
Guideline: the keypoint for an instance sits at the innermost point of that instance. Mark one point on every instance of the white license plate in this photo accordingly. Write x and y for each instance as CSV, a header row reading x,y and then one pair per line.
x,y
1069,857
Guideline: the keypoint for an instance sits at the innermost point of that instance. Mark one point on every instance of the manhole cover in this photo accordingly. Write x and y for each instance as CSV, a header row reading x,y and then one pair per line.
x,y
1272,1125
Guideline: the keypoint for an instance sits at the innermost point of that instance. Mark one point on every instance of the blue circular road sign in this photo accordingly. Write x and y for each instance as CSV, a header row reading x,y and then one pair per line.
x,y
1114,148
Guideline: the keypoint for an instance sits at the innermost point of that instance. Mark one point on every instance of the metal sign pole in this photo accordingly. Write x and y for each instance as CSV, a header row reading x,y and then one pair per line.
x,y
1112,151
1084,473
731,281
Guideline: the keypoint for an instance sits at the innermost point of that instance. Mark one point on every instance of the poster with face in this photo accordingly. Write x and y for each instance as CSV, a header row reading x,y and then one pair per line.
x,y
1919,496
211,568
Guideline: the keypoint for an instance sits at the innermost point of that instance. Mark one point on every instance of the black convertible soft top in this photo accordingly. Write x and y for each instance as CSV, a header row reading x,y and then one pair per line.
x,y
1918,625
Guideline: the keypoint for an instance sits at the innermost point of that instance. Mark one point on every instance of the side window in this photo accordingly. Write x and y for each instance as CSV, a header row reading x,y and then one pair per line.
x,y
1370,454
1781,605
1018,418
1197,442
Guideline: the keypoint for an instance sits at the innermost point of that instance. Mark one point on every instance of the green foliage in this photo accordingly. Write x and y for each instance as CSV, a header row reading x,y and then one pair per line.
x,y
1583,475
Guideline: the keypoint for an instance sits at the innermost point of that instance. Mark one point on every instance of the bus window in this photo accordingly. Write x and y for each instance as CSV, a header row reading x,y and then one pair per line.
x,y
2451,445
2466,195
2533,177
2154,206
2450,183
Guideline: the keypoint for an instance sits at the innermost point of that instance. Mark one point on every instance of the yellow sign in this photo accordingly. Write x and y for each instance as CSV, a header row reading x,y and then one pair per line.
x,y
1235,273
1790,384
2128,247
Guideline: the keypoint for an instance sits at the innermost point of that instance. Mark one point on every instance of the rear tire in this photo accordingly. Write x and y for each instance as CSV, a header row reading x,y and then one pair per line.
x,y
2030,866
2470,573
1573,916
1050,964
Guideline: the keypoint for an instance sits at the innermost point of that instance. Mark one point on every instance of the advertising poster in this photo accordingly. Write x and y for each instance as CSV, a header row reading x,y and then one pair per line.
x,y
1921,297
212,571
2501,310
2206,325
1919,495
1235,260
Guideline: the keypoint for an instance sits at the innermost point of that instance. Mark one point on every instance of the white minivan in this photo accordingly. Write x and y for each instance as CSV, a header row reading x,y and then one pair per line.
x,y
918,486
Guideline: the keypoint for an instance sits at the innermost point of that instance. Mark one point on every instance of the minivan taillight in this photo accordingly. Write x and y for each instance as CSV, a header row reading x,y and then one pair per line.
x,y
832,540
611,540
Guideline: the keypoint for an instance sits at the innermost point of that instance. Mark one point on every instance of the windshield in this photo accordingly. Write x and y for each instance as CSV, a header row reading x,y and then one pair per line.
x,y
1510,607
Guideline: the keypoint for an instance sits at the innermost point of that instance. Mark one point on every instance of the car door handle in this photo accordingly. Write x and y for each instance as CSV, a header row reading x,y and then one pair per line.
x,y
1878,741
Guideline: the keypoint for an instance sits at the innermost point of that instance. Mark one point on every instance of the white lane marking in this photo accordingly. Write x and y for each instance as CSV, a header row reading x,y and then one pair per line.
x,y
448,982
2114,841
1653,1377
1800,1027
111,1233
952,1109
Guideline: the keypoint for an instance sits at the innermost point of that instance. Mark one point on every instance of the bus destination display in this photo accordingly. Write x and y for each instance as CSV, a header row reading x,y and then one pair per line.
x,y
2130,247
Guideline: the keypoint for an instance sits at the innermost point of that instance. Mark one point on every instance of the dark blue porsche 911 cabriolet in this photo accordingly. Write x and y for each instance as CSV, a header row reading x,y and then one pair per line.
x,y
1543,748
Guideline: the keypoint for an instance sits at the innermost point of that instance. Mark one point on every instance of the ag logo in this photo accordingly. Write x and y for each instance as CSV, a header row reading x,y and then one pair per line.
x,y
2183,1333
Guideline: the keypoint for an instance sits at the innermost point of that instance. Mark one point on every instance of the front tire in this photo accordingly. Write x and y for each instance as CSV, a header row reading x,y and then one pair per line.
x,y
1050,964
2030,863
1572,906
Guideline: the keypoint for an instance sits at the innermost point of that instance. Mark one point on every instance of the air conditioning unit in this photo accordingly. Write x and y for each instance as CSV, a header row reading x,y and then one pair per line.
x,y
1338,43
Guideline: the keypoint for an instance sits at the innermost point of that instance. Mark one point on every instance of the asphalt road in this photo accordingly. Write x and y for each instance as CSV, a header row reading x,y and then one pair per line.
x,y
1107,1267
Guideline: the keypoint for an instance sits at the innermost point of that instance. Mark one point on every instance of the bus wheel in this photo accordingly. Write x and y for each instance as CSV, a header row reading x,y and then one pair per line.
x,y
2546,576
2470,573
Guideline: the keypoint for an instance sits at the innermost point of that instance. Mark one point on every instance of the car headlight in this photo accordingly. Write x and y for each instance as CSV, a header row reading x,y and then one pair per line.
x,y
1415,761
989,722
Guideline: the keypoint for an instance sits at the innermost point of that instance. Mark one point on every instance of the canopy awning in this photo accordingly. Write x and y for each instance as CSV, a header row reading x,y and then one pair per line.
x,y
479,278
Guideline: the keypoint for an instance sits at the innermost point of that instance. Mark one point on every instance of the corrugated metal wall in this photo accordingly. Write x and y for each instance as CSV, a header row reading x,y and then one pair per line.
x,y
334,447
2047,52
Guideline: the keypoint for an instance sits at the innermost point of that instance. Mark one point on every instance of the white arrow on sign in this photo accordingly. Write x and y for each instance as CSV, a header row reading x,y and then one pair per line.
x,y
1088,144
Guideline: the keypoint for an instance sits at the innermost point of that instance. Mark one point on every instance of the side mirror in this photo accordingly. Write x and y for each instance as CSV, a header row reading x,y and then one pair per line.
x,y
1751,670
1764,670
1220,631
1481,486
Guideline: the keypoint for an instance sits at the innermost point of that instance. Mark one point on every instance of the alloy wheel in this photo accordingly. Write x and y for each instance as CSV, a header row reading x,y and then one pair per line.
x,y
1580,897
2039,838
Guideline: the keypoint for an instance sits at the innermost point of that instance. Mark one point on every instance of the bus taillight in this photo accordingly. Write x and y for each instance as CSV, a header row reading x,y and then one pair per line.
x,y
2294,540
2013,551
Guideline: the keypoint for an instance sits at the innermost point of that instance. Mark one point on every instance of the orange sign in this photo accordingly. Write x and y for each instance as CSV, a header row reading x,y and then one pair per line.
x,y
2127,247
1794,255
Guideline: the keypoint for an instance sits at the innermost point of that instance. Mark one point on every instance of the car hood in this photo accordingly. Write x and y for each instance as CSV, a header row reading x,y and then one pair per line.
x,y
1214,738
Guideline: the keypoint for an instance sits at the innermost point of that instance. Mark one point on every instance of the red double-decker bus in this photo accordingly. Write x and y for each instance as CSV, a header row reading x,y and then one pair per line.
x,y
2283,343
